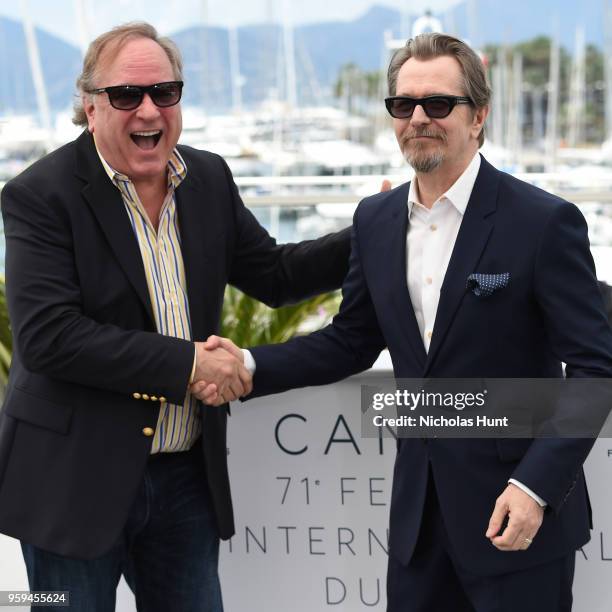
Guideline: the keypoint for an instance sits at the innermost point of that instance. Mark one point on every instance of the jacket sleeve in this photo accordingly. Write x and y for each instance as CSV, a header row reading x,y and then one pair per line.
x,y
288,273
580,336
51,333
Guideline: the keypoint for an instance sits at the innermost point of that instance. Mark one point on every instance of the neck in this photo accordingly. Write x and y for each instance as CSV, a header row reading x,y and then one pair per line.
x,y
431,185
152,193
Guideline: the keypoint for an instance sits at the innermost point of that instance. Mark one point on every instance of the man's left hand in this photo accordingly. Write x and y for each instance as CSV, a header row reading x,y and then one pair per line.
x,y
525,516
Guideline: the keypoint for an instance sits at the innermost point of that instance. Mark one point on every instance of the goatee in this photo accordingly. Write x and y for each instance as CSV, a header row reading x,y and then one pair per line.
x,y
418,156
424,162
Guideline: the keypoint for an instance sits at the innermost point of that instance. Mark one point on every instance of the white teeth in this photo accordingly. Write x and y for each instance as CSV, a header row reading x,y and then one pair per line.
x,y
152,133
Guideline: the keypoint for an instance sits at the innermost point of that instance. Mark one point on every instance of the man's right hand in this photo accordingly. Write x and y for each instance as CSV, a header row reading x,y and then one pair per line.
x,y
223,371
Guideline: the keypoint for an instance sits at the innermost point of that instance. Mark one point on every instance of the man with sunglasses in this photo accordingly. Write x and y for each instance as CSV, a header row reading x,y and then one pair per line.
x,y
118,250
465,272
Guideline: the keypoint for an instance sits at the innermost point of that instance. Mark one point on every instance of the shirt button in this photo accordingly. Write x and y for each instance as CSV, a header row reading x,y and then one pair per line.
x,y
429,335
148,431
428,280
433,227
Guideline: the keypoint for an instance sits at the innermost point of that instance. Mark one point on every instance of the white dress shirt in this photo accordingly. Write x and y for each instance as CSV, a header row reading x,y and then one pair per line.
x,y
430,240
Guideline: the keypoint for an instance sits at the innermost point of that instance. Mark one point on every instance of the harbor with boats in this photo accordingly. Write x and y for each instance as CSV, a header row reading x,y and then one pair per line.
x,y
303,167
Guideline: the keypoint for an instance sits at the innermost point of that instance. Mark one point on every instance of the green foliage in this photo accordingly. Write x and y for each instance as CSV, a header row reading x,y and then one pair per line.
x,y
536,60
536,67
595,97
353,83
248,322
594,66
6,341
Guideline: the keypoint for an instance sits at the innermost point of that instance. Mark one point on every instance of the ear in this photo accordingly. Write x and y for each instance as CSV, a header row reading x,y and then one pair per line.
x,y
478,120
89,108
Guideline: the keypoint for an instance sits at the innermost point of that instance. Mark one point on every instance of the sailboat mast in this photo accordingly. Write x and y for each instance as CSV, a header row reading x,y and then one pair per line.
x,y
42,100
552,110
291,92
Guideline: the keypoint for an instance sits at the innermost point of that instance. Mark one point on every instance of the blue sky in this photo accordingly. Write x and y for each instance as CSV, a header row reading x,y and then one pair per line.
x,y
60,16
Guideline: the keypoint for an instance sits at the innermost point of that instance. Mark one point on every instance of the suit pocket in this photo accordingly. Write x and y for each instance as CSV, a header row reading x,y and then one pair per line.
x,y
36,410
512,449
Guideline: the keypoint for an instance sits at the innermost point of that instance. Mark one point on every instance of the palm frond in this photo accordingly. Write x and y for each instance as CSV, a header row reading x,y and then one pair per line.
x,y
248,322
6,340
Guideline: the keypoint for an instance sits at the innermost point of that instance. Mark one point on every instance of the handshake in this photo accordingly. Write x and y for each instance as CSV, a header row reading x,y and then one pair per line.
x,y
220,375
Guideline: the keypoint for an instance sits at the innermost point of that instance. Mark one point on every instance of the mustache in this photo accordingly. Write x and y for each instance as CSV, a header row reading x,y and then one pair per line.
x,y
427,132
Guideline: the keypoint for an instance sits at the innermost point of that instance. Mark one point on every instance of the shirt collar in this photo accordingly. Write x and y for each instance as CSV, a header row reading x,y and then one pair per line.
x,y
458,193
177,170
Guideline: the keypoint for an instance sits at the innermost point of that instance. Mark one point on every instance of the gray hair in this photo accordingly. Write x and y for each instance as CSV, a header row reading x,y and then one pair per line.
x,y
432,45
113,40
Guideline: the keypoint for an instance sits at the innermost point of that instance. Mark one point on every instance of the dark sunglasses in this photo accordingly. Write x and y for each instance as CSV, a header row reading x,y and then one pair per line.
x,y
129,97
435,107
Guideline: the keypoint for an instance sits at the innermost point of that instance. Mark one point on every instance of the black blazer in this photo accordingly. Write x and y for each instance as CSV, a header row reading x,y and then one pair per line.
x,y
550,312
72,448
606,292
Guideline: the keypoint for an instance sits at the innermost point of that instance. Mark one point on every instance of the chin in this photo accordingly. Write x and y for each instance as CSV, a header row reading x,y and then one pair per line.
x,y
424,163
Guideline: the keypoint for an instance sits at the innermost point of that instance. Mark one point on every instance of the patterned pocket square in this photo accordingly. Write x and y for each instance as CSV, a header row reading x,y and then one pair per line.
x,y
484,285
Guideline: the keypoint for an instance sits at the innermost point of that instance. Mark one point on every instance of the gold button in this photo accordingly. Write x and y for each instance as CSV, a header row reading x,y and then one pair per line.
x,y
429,334
153,398
136,395
162,399
148,431
433,227
145,396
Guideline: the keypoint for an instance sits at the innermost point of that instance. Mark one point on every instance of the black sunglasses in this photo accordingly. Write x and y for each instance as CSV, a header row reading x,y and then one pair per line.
x,y
435,107
129,97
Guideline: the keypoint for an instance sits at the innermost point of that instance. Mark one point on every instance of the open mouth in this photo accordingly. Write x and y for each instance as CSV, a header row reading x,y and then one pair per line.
x,y
146,140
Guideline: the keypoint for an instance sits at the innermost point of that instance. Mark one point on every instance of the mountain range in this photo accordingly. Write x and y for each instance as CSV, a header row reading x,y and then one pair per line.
x,y
320,51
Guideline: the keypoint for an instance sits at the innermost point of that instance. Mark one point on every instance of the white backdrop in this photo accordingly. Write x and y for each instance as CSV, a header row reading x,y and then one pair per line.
x,y
311,527
334,560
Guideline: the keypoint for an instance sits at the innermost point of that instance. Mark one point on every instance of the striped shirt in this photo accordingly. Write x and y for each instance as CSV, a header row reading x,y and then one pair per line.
x,y
178,427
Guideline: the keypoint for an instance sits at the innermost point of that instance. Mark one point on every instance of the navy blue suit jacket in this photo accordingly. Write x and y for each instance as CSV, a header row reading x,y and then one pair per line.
x,y
550,312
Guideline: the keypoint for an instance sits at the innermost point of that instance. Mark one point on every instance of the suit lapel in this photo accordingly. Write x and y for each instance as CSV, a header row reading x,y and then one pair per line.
x,y
401,302
107,205
471,240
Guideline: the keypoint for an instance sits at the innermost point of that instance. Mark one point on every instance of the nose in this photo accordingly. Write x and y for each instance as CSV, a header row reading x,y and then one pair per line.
x,y
419,117
147,108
